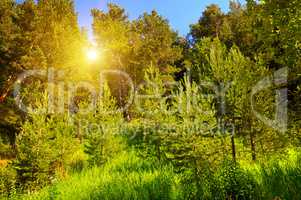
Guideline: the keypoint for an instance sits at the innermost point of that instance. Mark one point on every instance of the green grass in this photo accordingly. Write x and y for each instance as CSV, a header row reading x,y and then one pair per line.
x,y
130,177
279,177
125,177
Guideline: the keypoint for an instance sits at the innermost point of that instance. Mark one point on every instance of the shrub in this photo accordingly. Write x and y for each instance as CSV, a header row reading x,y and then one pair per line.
x,y
43,147
7,182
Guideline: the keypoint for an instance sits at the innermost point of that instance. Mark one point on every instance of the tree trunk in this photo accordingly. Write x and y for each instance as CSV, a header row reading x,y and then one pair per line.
x,y
233,195
252,139
78,131
253,145
233,148
158,150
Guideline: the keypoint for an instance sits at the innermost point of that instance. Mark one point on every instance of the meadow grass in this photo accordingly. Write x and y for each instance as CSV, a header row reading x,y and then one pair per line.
x,y
124,177
128,176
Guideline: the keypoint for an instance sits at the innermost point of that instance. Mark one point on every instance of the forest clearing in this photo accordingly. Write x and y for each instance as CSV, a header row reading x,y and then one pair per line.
x,y
140,111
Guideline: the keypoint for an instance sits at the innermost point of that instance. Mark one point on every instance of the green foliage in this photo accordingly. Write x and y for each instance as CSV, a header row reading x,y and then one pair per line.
x,y
130,177
134,45
43,146
7,182
100,129
172,142
209,24
125,177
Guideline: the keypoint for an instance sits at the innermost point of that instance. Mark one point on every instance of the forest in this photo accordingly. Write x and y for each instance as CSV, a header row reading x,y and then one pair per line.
x,y
145,113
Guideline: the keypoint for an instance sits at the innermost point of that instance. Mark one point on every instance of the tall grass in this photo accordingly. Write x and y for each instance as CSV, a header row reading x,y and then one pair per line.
x,y
278,178
130,177
125,177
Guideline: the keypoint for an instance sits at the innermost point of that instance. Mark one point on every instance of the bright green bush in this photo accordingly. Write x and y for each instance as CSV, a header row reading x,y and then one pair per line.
x,y
44,147
100,128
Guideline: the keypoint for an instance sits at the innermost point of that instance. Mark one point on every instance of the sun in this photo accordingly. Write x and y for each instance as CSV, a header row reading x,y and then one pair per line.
x,y
92,54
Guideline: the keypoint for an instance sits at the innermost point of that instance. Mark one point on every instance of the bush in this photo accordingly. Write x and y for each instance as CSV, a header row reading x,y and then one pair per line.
x,y
77,162
6,151
234,181
43,147
7,182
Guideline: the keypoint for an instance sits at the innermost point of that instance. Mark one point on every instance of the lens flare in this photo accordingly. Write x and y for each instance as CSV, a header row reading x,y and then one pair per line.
x,y
92,55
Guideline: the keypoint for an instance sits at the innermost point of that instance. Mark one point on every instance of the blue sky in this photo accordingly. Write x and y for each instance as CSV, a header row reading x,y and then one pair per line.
x,y
180,13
